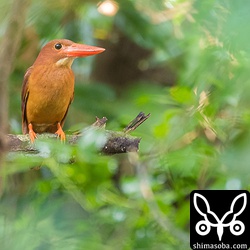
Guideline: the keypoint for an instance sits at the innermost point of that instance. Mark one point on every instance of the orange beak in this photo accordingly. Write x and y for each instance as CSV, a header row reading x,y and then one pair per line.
x,y
82,50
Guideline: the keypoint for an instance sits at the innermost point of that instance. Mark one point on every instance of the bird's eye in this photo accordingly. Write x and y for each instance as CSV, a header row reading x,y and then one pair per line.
x,y
58,46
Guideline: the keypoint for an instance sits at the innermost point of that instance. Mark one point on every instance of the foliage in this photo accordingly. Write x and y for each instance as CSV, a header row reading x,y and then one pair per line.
x,y
196,138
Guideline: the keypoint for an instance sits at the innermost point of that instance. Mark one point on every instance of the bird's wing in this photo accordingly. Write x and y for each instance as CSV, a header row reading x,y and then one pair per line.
x,y
25,95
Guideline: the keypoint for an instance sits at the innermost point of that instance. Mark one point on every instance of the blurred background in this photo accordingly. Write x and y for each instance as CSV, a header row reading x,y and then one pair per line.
x,y
185,62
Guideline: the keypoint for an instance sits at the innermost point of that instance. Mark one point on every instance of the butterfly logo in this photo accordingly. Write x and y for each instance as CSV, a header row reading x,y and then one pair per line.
x,y
210,219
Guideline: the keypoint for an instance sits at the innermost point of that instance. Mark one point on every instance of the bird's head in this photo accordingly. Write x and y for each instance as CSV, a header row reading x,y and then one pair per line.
x,y
63,52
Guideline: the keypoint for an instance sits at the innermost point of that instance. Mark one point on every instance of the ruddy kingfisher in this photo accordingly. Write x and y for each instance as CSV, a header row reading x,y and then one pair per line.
x,y
48,87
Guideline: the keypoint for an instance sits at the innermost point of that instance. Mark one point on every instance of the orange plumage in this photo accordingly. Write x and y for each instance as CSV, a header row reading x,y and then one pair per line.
x,y
48,87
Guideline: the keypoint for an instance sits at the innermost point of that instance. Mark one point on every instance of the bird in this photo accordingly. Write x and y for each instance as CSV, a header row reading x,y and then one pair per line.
x,y
48,87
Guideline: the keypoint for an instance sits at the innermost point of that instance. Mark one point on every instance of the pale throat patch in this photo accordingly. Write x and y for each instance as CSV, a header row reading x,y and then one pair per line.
x,y
66,61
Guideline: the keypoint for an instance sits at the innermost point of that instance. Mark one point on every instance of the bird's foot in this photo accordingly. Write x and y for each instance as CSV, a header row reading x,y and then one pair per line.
x,y
60,132
32,134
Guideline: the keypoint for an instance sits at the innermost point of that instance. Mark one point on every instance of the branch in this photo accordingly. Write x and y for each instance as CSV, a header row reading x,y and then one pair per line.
x,y
139,119
117,142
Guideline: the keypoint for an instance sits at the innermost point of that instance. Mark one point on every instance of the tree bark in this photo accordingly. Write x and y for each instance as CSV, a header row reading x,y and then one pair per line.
x,y
116,142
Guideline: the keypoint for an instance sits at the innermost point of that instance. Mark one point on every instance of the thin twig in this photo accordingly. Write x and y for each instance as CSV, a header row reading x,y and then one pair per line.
x,y
140,118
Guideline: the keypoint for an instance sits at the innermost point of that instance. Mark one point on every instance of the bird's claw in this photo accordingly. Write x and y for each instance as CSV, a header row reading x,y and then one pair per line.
x,y
32,134
60,133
